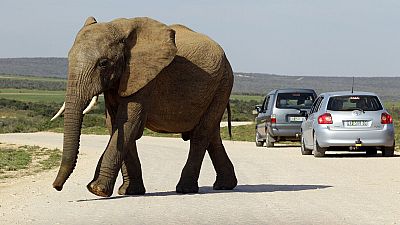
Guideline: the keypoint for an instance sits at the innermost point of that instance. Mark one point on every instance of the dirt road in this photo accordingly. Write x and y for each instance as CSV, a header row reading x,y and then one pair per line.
x,y
276,186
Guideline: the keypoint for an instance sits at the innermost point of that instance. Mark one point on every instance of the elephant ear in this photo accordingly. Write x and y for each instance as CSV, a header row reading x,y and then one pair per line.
x,y
150,48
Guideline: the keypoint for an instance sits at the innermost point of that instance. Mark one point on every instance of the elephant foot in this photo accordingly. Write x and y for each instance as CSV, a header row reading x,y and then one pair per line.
x,y
225,183
100,189
187,188
136,188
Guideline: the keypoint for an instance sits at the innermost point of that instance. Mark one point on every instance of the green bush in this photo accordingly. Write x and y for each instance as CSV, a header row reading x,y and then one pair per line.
x,y
241,110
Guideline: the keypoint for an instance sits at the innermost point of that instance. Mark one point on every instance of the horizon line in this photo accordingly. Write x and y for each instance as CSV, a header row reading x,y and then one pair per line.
x,y
236,72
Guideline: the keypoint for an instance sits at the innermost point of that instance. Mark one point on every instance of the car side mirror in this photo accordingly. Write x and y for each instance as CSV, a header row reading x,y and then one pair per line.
x,y
305,114
257,109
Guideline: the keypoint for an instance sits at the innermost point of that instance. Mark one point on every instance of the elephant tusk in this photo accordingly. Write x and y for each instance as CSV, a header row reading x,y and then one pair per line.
x,y
91,104
59,112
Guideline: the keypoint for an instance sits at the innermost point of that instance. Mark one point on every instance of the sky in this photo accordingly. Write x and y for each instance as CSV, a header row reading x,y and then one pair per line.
x,y
285,37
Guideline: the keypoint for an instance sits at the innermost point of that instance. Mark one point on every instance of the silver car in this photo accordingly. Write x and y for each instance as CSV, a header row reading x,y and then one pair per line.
x,y
279,117
347,121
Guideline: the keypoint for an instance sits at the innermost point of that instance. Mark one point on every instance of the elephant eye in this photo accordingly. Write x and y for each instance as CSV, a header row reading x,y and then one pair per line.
x,y
104,63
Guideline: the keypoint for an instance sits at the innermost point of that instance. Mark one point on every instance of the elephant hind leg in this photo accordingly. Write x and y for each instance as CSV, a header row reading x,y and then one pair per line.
x,y
199,141
226,178
205,135
186,136
191,171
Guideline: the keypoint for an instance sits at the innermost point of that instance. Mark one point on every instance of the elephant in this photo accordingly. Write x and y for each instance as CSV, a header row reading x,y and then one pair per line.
x,y
168,79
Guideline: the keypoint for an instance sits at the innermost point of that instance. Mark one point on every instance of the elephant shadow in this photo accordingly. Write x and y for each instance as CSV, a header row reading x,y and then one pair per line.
x,y
244,188
261,188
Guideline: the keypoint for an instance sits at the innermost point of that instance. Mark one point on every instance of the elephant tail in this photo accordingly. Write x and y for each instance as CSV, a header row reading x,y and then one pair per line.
x,y
228,108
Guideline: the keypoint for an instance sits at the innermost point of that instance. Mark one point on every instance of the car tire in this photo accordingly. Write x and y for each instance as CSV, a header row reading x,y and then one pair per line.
x,y
371,151
388,151
259,143
268,140
304,150
317,150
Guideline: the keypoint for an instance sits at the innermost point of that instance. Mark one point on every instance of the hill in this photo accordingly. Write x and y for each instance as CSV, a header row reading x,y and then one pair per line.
x,y
45,67
245,83
386,87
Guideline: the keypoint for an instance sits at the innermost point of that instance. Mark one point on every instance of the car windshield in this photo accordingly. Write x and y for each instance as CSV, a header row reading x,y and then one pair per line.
x,y
294,100
353,102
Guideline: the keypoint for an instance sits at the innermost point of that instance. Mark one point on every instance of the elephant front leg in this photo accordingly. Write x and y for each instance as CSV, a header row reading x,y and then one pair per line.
x,y
132,174
129,127
131,170
108,166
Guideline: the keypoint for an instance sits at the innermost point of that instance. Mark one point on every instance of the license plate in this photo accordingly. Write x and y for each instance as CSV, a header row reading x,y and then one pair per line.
x,y
356,123
296,119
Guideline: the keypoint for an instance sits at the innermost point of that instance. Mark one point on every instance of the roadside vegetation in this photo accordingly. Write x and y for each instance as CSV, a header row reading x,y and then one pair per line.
x,y
17,161
32,83
32,95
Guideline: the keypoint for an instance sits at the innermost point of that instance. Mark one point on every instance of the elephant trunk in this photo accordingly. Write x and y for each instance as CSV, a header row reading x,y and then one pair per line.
x,y
73,118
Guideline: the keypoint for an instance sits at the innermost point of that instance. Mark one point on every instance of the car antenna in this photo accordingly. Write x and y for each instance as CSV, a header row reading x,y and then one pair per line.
x,y
352,86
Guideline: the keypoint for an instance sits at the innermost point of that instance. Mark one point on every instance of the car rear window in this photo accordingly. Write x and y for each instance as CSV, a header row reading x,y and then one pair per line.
x,y
294,100
352,102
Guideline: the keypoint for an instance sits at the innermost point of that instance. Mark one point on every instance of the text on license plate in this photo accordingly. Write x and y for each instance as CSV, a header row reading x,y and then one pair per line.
x,y
356,123
296,119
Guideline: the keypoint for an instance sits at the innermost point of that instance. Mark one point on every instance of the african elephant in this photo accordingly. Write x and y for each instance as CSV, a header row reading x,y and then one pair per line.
x,y
166,78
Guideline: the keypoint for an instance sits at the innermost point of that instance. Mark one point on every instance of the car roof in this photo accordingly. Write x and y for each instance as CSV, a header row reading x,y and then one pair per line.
x,y
342,93
290,90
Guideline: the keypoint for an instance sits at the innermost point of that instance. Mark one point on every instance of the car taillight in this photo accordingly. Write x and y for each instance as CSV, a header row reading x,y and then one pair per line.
x,y
325,118
386,118
273,118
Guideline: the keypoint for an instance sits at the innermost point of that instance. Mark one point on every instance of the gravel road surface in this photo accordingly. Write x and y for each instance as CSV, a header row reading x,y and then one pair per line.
x,y
276,186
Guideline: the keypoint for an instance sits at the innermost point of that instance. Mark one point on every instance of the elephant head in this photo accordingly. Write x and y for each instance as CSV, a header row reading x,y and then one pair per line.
x,y
125,55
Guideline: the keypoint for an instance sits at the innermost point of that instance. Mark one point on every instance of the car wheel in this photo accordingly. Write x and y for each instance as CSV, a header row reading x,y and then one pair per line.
x,y
268,140
304,150
388,151
371,151
318,151
259,143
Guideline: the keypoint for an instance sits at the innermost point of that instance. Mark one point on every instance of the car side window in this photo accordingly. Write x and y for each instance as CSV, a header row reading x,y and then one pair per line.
x,y
266,103
313,105
319,105
316,105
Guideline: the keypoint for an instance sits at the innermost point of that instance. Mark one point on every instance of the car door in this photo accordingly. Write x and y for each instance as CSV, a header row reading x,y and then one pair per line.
x,y
308,124
262,117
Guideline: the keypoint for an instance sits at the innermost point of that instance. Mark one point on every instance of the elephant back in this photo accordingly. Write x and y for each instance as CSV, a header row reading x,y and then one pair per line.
x,y
198,48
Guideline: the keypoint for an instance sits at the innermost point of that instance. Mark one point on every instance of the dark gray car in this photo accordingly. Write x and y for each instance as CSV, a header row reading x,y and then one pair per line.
x,y
280,116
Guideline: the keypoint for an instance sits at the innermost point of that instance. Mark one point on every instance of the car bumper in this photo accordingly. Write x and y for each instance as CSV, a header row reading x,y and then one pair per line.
x,y
286,130
379,137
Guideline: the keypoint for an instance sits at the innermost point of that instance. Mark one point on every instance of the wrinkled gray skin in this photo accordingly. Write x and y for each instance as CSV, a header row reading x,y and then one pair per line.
x,y
165,78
